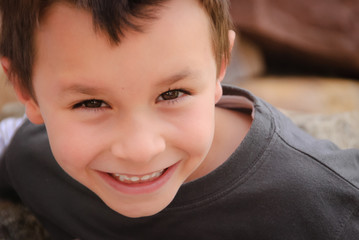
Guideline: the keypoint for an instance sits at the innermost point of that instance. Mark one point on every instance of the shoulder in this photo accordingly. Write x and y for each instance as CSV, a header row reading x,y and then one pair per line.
x,y
286,175
342,163
308,176
293,154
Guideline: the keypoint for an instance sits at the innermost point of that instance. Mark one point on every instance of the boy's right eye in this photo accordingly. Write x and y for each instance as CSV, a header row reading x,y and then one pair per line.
x,y
91,103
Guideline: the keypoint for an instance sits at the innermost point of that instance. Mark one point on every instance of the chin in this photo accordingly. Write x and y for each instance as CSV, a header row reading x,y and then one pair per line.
x,y
138,213
139,210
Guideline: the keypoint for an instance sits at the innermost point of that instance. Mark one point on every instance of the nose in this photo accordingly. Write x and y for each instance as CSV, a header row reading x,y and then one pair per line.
x,y
139,141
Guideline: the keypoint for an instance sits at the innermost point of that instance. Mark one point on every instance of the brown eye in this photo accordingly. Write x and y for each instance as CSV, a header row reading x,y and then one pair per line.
x,y
170,95
92,103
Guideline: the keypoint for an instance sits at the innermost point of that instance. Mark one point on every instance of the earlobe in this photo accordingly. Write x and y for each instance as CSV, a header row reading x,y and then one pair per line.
x,y
32,109
218,91
33,112
5,64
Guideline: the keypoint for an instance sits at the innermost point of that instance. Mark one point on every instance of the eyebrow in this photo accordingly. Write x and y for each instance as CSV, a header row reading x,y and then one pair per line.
x,y
82,89
177,77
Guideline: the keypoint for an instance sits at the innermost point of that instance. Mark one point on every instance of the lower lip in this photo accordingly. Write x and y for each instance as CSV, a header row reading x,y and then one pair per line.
x,y
140,188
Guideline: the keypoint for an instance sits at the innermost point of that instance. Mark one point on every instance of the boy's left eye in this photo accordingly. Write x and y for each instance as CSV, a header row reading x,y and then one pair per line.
x,y
171,95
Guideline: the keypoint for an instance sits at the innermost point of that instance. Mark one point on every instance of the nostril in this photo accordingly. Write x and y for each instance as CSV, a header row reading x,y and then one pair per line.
x,y
138,149
141,140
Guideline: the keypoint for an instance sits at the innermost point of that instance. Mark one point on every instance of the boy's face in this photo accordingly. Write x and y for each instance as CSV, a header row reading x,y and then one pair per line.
x,y
132,122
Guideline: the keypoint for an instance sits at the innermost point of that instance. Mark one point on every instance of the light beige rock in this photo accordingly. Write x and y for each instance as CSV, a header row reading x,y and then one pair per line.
x,y
307,94
341,128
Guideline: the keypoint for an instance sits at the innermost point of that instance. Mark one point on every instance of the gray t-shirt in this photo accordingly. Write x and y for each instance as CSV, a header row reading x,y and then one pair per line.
x,y
280,183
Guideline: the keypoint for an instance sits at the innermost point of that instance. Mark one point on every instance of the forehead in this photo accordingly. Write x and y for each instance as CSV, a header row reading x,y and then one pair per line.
x,y
67,44
135,18
169,14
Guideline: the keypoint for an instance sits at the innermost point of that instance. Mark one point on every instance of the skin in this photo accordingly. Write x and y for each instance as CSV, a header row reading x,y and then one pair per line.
x,y
135,108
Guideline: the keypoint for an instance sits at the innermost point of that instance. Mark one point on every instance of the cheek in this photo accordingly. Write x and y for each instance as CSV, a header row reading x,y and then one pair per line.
x,y
196,129
69,148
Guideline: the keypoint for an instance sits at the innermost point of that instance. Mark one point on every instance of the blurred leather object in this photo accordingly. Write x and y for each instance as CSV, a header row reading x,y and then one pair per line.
x,y
326,31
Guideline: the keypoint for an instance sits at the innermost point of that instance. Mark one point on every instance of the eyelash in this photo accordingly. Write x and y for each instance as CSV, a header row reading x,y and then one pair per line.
x,y
83,104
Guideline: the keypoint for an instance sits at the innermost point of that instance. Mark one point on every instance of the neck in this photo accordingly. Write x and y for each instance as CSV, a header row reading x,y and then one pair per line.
x,y
230,129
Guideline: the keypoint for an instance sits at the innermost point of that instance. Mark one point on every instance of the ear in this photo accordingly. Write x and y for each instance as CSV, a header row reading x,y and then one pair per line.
x,y
224,65
5,64
31,107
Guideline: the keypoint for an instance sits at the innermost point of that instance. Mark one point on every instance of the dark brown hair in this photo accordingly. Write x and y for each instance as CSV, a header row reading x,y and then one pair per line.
x,y
20,18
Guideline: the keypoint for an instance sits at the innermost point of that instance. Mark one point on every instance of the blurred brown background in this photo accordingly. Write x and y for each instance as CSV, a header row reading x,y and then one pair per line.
x,y
300,55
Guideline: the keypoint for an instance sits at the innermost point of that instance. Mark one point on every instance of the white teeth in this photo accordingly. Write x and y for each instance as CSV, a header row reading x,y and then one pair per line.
x,y
123,178
145,178
137,179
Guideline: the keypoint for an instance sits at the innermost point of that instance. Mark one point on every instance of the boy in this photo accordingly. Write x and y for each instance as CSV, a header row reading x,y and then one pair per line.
x,y
127,92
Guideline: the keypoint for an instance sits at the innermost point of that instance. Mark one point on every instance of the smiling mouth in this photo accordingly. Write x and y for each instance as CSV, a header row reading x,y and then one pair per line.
x,y
132,179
